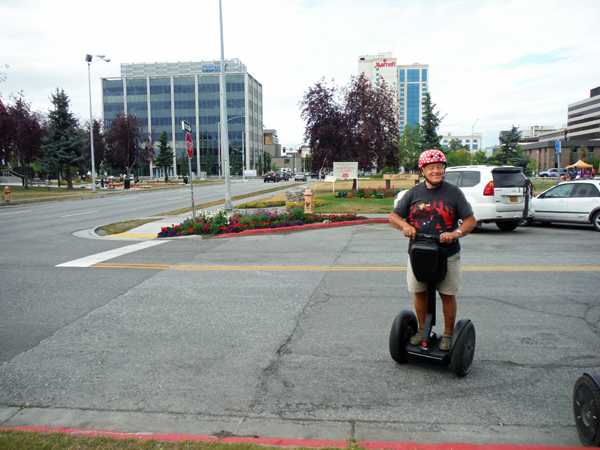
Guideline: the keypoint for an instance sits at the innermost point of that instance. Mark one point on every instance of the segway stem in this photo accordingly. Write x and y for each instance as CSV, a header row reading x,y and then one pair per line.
x,y
430,319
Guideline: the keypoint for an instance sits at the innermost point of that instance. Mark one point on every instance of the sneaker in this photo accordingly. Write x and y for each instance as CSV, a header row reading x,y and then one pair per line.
x,y
416,339
445,344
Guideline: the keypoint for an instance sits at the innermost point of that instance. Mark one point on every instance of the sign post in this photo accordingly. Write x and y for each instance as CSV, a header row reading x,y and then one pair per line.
x,y
557,150
189,145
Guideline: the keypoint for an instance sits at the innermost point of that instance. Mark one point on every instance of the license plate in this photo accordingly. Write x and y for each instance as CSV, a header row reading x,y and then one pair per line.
x,y
513,199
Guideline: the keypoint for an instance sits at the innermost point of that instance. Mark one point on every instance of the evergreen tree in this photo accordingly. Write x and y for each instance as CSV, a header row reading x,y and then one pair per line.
x,y
164,159
260,165
456,146
208,164
431,122
183,164
510,152
64,144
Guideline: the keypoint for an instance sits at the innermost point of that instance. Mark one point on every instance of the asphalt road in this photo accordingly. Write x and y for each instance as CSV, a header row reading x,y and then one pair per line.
x,y
286,335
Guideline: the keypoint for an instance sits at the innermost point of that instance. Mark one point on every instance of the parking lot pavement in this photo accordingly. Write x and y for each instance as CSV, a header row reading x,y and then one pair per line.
x,y
286,337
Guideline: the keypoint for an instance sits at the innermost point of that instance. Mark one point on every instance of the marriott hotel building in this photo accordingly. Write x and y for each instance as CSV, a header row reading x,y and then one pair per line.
x,y
411,83
164,94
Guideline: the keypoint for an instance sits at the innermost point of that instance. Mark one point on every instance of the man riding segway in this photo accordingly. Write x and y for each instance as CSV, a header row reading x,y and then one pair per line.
x,y
434,208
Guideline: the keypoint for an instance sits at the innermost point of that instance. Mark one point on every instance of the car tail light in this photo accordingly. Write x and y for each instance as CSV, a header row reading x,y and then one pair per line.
x,y
489,188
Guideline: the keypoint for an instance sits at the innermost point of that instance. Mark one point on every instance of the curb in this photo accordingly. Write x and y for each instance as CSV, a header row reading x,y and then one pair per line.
x,y
279,442
303,227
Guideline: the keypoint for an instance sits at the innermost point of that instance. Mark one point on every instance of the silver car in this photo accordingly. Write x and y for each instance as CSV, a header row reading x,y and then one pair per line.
x,y
575,201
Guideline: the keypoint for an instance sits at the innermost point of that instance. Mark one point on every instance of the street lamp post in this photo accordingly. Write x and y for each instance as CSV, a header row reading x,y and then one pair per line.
x,y
472,137
88,59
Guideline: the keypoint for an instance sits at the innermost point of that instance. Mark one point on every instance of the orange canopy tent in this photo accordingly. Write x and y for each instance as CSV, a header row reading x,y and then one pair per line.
x,y
581,165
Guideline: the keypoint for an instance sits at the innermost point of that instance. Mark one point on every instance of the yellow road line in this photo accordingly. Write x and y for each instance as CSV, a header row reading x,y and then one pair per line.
x,y
343,268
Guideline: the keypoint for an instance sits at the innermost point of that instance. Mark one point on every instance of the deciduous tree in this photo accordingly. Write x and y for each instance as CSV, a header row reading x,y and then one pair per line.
x,y
353,123
409,148
127,143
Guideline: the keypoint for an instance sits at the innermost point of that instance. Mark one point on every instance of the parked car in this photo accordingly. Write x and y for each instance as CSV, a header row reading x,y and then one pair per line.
x,y
548,173
575,201
283,176
496,193
271,176
301,176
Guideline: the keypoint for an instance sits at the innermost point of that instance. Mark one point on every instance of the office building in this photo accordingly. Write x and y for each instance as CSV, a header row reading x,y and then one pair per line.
x,y
410,81
584,117
473,142
165,94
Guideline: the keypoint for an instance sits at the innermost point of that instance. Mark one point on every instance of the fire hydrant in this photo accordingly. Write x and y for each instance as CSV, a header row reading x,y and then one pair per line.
x,y
308,201
7,195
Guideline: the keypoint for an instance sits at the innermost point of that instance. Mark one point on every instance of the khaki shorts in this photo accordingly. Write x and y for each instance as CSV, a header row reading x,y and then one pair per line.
x,y
451,284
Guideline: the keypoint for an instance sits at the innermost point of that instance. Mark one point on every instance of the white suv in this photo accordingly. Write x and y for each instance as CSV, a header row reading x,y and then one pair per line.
x,y
496,193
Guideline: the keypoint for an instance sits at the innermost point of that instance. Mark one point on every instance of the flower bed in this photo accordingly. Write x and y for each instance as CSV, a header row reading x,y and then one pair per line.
x,y
379,192
221,223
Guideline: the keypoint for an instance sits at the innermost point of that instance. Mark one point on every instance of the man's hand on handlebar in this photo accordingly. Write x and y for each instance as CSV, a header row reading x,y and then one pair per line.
x,y
409,231
447,238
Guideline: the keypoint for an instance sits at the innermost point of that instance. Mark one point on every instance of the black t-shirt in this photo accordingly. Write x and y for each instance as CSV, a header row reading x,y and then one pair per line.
x,y
434,211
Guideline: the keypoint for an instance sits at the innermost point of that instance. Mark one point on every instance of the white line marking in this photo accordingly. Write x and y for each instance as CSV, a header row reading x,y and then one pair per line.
x,y
174,198
99,257
79,214
16,212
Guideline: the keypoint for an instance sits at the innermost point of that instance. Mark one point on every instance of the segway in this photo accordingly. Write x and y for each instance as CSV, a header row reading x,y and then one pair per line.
x,y
429,263
586,409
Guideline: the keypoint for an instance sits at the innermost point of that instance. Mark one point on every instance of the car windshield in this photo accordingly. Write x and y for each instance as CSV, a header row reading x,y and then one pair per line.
x,y
505,178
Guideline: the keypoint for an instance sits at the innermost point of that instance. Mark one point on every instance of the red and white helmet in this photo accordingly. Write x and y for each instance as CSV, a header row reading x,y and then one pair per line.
x,y
431,156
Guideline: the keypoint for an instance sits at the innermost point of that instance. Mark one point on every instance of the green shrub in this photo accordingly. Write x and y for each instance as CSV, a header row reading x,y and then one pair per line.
x,y
341,194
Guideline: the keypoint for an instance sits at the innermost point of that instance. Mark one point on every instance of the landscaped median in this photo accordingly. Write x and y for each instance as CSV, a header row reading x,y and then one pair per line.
x,y
221,224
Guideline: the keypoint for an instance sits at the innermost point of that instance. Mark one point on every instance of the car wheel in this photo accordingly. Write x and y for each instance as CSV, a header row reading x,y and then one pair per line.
x,y
596,221
508,226
524,222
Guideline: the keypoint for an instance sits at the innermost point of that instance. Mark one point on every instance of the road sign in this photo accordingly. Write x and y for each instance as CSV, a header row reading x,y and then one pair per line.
x,y
186,126
189,145
557,146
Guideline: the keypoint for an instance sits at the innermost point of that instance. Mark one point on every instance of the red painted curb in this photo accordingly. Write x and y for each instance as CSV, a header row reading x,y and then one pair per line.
x,y
304,227
280,442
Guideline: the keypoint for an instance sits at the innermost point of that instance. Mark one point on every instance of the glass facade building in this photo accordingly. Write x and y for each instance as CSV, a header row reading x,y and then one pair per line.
x,y
413,84
162,95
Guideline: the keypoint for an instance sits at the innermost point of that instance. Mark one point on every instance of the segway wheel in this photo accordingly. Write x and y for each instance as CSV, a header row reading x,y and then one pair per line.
x,y
586,409
463,351
404,327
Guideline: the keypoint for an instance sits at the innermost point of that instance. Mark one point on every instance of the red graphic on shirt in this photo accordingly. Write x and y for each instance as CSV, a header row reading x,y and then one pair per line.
x,y
429,216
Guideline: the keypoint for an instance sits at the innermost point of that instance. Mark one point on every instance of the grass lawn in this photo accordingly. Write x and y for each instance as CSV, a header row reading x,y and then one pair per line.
x,y
19,440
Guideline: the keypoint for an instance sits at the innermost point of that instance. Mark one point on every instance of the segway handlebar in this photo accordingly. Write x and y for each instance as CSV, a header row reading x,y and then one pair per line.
x,y
431,237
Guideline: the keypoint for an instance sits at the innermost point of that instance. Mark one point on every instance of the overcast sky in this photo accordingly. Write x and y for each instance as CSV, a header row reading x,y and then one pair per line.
x,y
496,63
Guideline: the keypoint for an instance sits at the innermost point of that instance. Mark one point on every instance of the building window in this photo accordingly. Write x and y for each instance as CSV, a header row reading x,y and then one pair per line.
x,y
445,141
402,76
474,146
424,74
412,75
